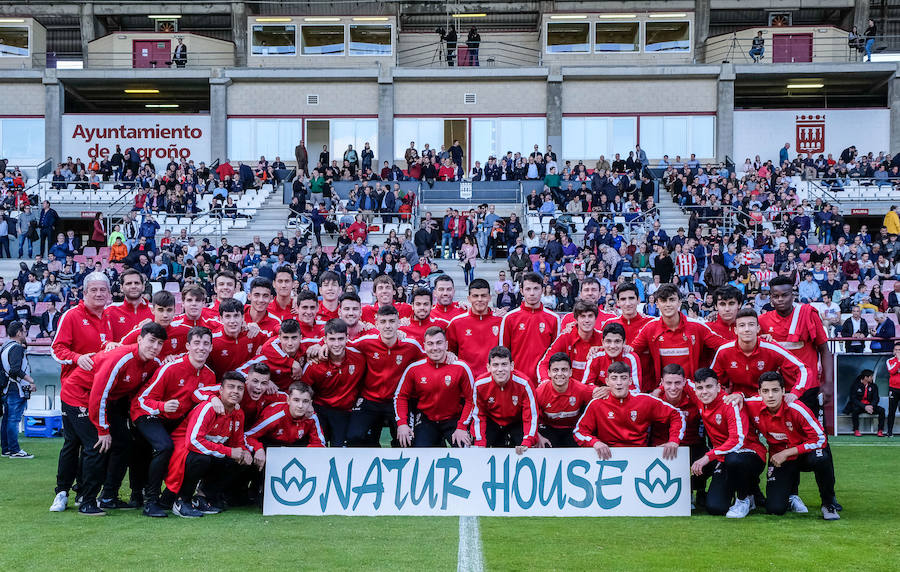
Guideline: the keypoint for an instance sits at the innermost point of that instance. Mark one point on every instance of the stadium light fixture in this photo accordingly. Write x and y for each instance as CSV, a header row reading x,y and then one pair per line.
x,y
668,15
164,16
370,19
12,20
322,19
133,91
568,17
163,105
470,15
805,85
273,19
618,16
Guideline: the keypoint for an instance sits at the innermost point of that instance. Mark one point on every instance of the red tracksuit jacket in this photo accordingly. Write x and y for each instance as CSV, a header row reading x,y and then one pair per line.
x,y
893,367
472,337
120,374
504,405
176,340
801,333
182,320
792,425
562,410
448,312
595,372
229,353
416,328
279,362
385,365
684,345
268,325
441,392
282,313
741,372
723,329
728,428
625,422
528,332
277,424
123,317
659,432
371,311
323,314
568,321
632,329
80,332
579,351
175,380
336,385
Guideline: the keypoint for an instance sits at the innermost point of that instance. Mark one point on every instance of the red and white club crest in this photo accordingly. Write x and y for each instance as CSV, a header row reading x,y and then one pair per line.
x,y
810,133
448,380
542,326
718,418
300,433
634,415
351,369
760,365
572,400
515,399
399,360
495,330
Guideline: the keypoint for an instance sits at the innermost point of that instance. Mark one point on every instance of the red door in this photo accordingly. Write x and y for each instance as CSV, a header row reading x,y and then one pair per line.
x,y
792,48
151,53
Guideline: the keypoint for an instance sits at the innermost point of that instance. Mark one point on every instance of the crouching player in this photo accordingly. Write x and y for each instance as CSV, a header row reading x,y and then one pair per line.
x,y
291,424
561,401
796,443
208,446
623,419
736,458
505,414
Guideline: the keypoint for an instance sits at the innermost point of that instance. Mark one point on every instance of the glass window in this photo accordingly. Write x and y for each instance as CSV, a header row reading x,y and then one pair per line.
x,y
250,138
13,41
22,140
678,135
586,138
277,40
323,40
356,132
667,37
370,40
568,37
617,37
420,131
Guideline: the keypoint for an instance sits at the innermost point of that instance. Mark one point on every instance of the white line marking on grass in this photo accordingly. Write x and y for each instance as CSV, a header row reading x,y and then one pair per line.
x,y
470,558
865,444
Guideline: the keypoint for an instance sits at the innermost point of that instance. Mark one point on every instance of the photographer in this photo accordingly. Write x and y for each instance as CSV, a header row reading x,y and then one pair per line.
x,y
17,384
450,38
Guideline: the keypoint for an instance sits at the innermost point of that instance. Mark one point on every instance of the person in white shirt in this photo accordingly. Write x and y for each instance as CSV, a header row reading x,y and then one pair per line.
x,y
829,312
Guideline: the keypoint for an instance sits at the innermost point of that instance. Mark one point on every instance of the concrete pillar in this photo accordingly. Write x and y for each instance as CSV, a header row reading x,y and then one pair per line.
x,y
88,29
894,103
701,29
554,112
54,107
386,118
861,15
218,119
725,113
239,32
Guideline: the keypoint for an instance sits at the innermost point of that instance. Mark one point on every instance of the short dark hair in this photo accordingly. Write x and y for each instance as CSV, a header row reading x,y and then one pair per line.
x,y
560,356
619,367
329,276
164,299
230,305
435,330
672,369
705,373
666,291
781,280
131,272
14,328
443,278
747,313
233,376
479,284
285,270
198,332
628,287
335,326
151,329
301,387
584,307
289,326
225,274
195,290
532,277
501,352
388,310
352,296
613,328
262,282
728,292
771,376
588,280
306,296
260,368
419,292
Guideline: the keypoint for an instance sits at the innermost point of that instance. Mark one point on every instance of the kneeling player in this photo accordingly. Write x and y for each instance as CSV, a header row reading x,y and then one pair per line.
x,y
443,395
736,458
208,446
291,424
623,419
796,443
561,401
505,414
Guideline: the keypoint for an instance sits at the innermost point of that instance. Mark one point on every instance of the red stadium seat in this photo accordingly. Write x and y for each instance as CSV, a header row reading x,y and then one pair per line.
x,y
90,251
804,256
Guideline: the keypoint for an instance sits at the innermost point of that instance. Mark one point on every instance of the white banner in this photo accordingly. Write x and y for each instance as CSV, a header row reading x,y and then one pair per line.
x,y
159,137
476,482
816,131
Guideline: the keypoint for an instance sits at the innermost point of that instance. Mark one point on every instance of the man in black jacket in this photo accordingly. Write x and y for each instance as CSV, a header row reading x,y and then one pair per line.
x,y
50,321
864,399
855,327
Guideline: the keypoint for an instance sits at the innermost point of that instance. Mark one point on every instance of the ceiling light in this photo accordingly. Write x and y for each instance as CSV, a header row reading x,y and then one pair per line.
x,y
273,19
157,105
371,19
164,16
568,17
617,16
471,15
69,64
322,19
669,15
805,85
141,91
12,20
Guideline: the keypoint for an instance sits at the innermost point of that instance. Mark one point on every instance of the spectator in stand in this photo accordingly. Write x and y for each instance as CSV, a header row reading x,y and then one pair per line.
x,y
855,327
864,398
885,331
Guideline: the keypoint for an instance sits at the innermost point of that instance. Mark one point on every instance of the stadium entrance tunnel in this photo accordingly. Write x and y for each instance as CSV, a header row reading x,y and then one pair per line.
x,y
137,96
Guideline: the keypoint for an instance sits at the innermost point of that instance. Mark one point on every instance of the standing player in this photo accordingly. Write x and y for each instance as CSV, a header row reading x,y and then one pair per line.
x,y
442,393
307,305
289,424
330,291
126,315
232,346
163,307
349,310
797,443
580,343
674,338
383,289
283,306
738,364
225,285
613,340
163,404
193,301
529,329
282,355
799,330
444,306
121,373
893,367
387,356
82,332
589,291
257,312
505,412
560,401
736,458
472,335
728,300
623,419
335,381
627,298
422,318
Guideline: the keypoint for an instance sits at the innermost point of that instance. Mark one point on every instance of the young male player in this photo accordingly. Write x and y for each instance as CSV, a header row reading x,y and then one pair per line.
x,y
472,335
163,308
283,355
290,424
560,401
529,329
383,289
307,305
444,306
350,310
505,412
674,390
232,345
893,367
193,301
613,350
422,317
627,299
224,285
580,343
257,311
442,393
282,307
126,315
589,291
330,291
728,301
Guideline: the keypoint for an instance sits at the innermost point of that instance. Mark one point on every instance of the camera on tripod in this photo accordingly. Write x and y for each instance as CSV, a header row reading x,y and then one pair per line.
x,y
440,31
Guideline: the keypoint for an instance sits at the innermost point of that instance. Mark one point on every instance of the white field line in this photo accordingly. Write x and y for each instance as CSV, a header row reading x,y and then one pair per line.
x,y
469,557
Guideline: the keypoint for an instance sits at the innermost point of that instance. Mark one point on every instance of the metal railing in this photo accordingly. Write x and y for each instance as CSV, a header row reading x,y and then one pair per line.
x,y
836,189
99,60
824,48
489,54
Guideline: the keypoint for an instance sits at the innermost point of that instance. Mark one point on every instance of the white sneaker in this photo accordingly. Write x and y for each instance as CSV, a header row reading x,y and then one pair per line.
x,y
20,454
797,505
60,502
739,509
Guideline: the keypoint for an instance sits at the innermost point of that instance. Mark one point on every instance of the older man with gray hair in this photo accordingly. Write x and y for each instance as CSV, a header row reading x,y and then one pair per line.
x,y
885,332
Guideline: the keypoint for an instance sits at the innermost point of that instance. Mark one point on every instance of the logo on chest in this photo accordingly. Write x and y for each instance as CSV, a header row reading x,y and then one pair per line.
x,y
515,399
376,356
572,400
718,418
633,416
448,380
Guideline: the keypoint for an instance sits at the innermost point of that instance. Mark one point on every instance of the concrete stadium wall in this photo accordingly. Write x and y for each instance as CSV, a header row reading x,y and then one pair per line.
x,y
22,98
638,95
289,98
445,97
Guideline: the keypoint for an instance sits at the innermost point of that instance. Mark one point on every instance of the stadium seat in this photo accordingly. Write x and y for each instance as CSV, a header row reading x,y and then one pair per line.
x,y
90,251
172,287
155,287
769,258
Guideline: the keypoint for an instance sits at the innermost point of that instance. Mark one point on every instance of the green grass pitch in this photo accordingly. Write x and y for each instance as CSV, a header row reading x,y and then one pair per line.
x,y
866,538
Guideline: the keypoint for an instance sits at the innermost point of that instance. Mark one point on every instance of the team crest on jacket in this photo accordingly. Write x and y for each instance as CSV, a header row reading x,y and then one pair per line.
x,y
250,347
634,415
399,360
571,400
521,325
300,433
448,380
734,364
542,326
423,379
468,332
224,353
718,418
375,355
174,343
180,383
496,330
121,319
610,415
515,399
85,322
351,369
760,365
789,425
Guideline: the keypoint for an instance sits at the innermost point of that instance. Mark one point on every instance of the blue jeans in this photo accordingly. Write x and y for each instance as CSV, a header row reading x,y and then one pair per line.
x,y
870,43
469,275
689,280
445,246
22,239
757,53
9,427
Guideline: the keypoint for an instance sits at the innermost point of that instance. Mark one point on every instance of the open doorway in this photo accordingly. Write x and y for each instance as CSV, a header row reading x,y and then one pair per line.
x,y
457,129
318,134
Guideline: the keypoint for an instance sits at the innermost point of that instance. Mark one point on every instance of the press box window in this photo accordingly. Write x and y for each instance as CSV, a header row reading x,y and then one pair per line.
x,y
667,37
568,37
323,40
370,40
275,40
13,41
617,37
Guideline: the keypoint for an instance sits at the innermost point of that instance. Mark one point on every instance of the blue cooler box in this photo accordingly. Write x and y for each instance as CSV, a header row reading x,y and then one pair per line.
x,y
46,423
